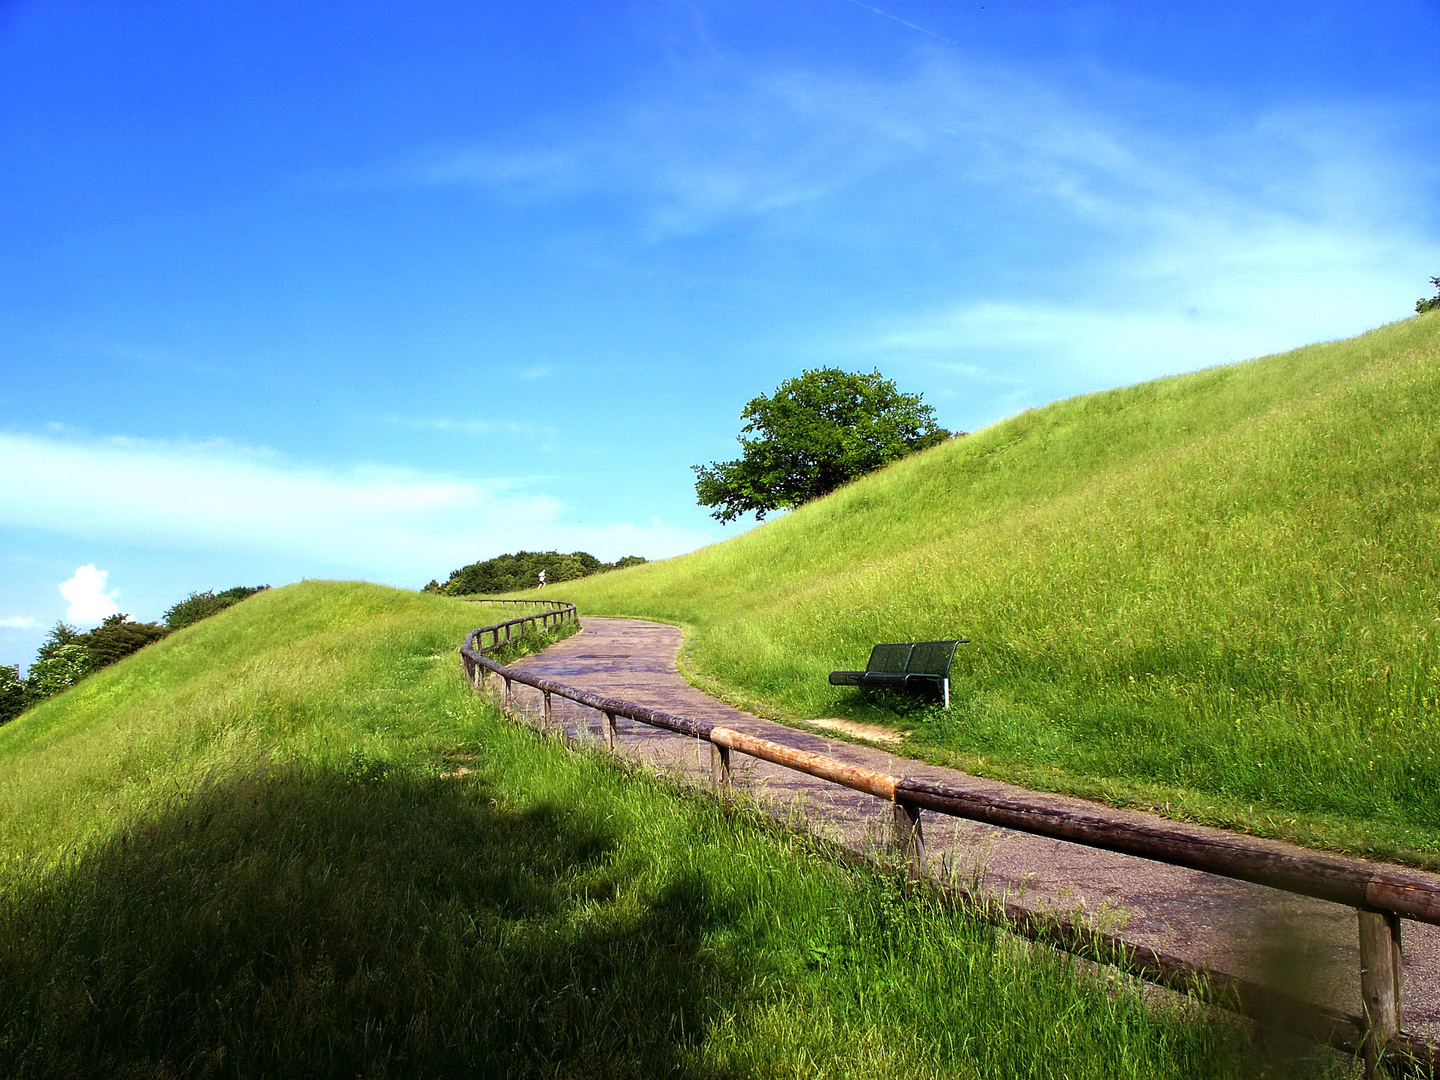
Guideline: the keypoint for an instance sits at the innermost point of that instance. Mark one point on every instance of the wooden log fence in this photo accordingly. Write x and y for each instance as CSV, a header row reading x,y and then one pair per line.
x,y
1381,895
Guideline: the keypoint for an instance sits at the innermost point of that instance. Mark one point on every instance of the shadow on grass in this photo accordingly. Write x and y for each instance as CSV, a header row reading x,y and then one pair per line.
x,y
355,925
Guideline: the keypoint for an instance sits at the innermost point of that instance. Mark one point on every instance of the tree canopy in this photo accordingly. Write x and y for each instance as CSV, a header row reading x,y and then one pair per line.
x,y
817,431
514,572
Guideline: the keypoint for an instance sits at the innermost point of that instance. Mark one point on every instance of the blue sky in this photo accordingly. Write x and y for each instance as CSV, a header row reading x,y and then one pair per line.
x,y
377,289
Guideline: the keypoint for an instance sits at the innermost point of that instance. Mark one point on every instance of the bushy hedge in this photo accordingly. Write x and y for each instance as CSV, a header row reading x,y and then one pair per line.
x,y
511,573
12,693
201,605
117,637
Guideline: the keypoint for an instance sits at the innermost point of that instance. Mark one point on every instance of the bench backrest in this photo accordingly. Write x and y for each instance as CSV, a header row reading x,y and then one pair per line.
x,y
891,659
931,658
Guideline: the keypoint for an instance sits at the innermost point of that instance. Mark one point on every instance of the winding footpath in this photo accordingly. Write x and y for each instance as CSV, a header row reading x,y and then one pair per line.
x,y
1306,948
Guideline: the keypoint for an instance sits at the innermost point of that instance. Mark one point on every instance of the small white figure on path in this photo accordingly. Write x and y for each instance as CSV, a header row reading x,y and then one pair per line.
x,y
542,579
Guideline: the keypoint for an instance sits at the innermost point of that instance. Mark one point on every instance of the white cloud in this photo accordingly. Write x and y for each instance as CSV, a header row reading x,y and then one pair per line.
x,y
85,591
389,524
19,622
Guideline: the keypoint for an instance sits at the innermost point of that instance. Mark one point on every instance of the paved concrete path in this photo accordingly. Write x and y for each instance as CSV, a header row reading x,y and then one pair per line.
x,y
1230,926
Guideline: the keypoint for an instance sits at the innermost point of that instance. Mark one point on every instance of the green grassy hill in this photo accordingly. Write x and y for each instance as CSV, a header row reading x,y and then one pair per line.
x,y
288,841
1217,594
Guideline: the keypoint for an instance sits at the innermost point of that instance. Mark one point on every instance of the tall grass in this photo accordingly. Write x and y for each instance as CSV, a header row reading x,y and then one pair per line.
x,y
288,841
1217,594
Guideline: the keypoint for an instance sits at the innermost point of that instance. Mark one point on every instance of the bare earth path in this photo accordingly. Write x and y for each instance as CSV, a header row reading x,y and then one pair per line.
x,y
1228,925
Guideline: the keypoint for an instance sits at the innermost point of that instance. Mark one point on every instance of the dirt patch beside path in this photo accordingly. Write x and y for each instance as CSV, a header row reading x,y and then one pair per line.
x,y
869,732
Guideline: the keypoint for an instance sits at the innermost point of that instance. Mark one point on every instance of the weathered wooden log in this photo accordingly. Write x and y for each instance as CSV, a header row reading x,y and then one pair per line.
x,y
1352,882
881,785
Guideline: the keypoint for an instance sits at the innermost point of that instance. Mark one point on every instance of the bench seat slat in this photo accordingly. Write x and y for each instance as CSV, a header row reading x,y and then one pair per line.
x,y
889,658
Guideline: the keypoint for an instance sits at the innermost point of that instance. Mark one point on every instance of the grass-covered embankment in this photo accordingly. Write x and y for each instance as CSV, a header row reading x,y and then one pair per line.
x,y
289,841
1217,594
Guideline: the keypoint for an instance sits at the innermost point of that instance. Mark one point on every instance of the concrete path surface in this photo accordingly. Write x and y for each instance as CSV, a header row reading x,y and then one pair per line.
x,y
1307,948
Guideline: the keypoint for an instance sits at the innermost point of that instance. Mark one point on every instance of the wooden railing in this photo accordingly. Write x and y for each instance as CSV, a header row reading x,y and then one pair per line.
x,y
551,613
1381,895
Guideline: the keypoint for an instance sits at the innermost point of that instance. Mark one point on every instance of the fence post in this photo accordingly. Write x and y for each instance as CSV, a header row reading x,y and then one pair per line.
x,y
909,839
609,731
507,691
546,695
1381,972
720,766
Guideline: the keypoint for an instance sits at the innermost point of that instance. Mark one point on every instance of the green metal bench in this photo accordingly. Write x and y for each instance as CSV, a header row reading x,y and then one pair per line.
x,y
910,666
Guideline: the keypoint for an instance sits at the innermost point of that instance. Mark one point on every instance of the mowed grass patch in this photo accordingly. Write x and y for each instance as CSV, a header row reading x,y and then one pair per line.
x,y
376,875
1216,594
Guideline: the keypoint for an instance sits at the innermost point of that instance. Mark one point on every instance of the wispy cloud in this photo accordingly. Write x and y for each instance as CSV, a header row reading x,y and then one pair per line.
x,y
1030,235
1257,230
902,22
392,524
19,622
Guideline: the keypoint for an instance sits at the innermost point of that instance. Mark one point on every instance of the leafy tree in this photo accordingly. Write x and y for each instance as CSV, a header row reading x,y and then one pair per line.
x,y
61,634
201,605
817,431
117,637
521,570
1422,306
12,693
59,669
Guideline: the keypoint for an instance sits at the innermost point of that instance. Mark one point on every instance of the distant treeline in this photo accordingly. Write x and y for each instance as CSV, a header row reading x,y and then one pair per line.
x,y
511,573
68,655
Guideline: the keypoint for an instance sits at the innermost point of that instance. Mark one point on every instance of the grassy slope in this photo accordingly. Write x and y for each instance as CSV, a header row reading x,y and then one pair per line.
x,y
248,850
1215,594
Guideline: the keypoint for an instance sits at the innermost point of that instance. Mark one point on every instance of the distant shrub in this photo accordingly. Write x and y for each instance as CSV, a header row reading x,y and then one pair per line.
x,y
1422,306
60,669
511,573
12,693
201,605
117,637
